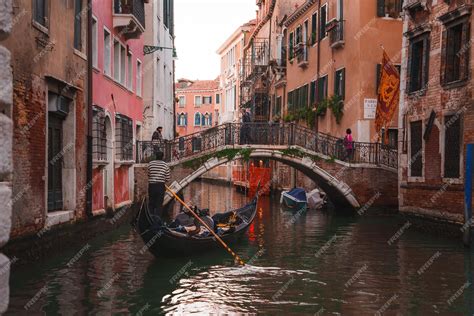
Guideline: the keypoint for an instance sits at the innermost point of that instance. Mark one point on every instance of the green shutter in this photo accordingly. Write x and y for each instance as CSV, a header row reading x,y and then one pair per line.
x,y
380,8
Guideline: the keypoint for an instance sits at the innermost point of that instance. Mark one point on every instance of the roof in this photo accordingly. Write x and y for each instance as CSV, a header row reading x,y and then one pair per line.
x,y
247,27
302,9
193,85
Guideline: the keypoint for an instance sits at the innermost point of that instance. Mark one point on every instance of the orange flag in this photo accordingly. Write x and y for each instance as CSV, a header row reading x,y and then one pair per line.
x,y
388,94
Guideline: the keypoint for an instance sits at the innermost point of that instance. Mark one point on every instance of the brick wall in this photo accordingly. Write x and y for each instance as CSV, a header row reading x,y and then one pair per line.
x,y
430,195
6,164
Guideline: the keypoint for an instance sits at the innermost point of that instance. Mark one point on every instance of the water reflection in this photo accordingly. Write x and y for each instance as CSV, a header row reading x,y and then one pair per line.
x,y
299,264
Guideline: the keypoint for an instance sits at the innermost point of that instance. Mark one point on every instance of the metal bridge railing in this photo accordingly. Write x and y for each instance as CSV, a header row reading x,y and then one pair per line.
x,y
284,134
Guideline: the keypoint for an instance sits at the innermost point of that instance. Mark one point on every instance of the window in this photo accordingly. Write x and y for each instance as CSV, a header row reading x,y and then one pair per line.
x,y
291,46
290,101
456,52
197,101
107,53
182,101
322,88
130,71
389,8
95,52
322,22
452,146
278,106
340,83
314,31
117,47
182,119
416,149
168,14
99,134
123,138
312,93
139,78
197,119
123,55
218,98
206,100
299,35
418,62
78,24
206,119
40,12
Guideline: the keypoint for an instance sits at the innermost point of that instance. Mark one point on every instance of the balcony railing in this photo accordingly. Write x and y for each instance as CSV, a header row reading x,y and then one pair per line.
x,y
336,34
301,53
130,14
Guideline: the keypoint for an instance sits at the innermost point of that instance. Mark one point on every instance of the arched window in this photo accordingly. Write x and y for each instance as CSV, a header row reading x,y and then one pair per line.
x,y
197,119
207,119
182,119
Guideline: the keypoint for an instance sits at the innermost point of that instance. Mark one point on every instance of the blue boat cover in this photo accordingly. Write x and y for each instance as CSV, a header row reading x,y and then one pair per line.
x,y
298,193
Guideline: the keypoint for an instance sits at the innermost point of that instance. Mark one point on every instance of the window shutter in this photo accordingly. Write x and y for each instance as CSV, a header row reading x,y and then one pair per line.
x,y
380,8
378,72
177,121
210,119
186,119
444,55
203,120
466,33
343,84
426,61
210,100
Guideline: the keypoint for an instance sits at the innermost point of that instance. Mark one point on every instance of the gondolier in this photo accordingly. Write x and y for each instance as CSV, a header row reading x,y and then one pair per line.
x,y
158,175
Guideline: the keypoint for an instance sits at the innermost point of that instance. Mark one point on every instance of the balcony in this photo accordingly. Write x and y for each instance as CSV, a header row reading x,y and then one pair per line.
x,y
301,54
336,34
129,17
414,6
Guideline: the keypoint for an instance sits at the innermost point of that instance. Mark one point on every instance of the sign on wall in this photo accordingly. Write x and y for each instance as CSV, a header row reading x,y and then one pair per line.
x,y
370,108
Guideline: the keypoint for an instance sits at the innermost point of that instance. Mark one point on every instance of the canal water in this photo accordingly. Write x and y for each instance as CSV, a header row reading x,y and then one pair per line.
x,y
312,263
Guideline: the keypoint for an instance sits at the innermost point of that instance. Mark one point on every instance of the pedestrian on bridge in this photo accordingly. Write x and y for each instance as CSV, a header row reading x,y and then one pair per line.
x,y
158,174
348,144
245,129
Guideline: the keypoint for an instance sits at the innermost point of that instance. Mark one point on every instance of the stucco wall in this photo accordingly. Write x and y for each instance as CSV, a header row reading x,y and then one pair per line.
x,y
6,163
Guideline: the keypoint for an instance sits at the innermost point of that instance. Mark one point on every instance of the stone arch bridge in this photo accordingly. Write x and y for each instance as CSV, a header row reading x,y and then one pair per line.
x,y
368,177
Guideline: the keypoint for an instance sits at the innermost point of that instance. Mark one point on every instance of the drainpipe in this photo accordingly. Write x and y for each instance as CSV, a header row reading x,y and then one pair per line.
x,y
89,183
316,121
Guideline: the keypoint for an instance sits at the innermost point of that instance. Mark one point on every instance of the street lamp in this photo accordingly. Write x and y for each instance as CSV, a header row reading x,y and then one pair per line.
x,y
147,49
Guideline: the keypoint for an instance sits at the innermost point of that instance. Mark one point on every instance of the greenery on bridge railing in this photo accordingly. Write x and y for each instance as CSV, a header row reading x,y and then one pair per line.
x,y
298,153
229,154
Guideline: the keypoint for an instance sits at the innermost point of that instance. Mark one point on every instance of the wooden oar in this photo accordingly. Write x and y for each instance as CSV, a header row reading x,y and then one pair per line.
x,y
236,257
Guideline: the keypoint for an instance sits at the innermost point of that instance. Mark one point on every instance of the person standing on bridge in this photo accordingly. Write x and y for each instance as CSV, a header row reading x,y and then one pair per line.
x,y
158,174
348,144
245,130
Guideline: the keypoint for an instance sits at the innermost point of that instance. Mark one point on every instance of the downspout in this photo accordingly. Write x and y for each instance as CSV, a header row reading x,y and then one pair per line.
x,y
89,180
316,121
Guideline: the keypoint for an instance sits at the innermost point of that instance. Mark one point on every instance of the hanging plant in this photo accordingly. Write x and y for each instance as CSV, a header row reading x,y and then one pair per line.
x,y
337,107
322,107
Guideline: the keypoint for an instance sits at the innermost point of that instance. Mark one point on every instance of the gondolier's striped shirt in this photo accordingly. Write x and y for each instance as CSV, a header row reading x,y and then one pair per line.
x,y
158,171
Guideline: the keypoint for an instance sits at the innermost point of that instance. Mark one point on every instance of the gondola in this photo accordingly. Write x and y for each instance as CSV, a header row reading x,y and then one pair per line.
x,y
165,241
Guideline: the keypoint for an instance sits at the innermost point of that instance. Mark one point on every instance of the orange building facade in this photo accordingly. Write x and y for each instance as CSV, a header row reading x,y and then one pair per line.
x,y
333,55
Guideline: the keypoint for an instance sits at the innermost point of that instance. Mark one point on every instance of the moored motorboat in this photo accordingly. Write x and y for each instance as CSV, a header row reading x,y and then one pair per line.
x,y
163,240
294,199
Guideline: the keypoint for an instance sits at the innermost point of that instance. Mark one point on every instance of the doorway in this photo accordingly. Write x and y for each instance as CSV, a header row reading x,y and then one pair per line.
x,y
55,162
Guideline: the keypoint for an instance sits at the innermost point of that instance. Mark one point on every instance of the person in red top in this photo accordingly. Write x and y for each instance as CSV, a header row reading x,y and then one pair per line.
x,y
348,144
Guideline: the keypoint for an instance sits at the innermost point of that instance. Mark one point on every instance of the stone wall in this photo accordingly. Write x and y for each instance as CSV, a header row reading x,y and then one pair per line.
x,y
6,165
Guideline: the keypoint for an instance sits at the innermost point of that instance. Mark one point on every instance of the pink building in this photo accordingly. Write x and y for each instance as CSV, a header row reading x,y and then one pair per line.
x,y
117,32
197,106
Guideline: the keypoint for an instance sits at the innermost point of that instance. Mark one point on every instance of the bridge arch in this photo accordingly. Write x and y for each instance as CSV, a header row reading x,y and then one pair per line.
x,y
338,191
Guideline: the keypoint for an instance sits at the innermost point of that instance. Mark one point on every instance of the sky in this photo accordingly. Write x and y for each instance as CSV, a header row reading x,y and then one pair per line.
x,y
201,27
